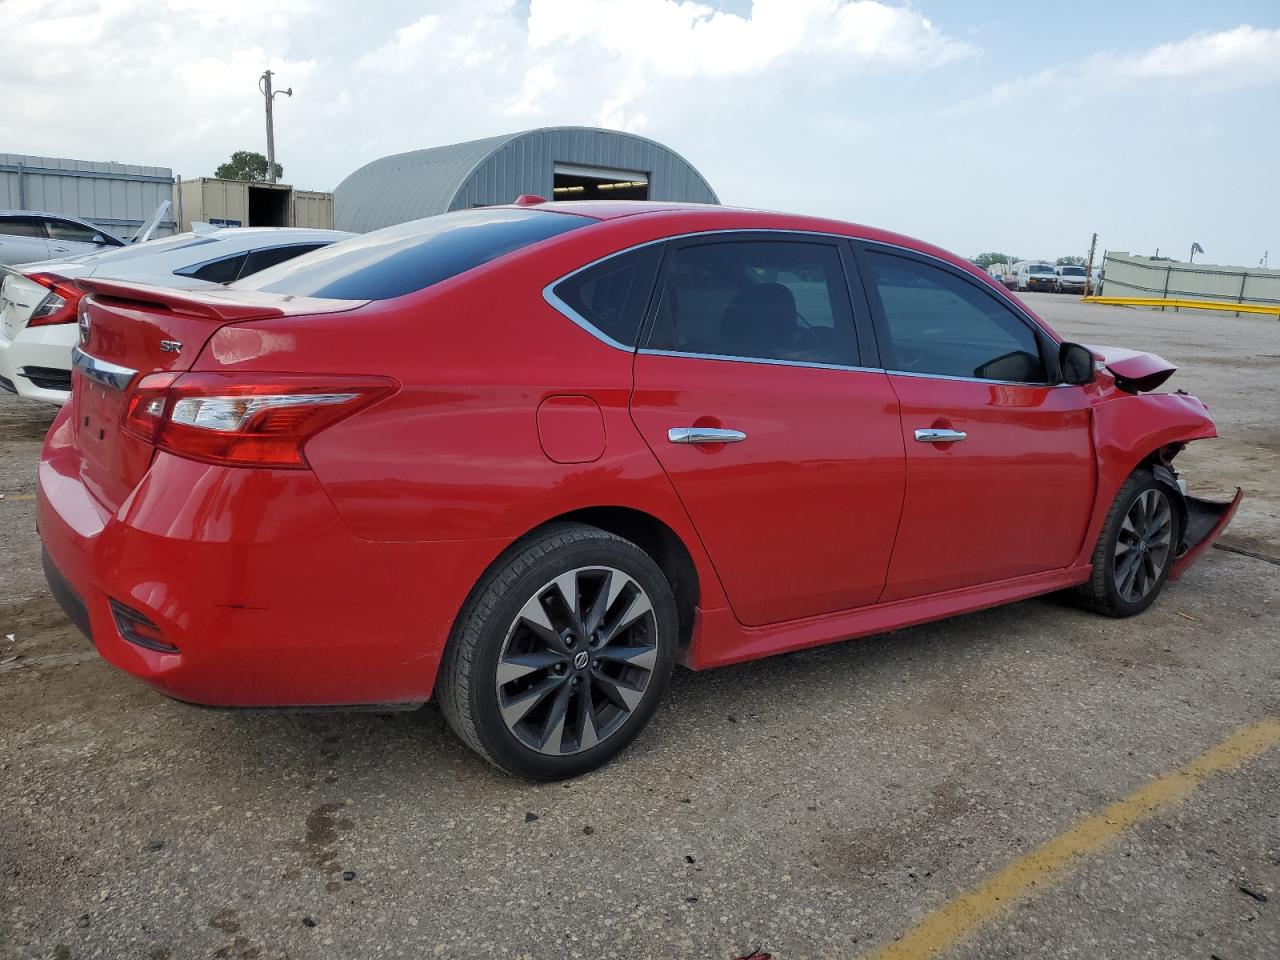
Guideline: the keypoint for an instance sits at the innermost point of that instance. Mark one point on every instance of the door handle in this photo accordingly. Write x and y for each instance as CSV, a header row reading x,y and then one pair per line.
x,y
60,249
934,435
704,435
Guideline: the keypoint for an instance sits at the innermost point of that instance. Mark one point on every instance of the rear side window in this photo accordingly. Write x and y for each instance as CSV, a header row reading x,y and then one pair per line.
x,y
66,230
611,296
216,271
259,260
938,323
411,256
20,227
767,300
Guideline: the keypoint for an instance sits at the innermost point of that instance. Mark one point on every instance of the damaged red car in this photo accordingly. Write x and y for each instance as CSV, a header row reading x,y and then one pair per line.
x,y
524,459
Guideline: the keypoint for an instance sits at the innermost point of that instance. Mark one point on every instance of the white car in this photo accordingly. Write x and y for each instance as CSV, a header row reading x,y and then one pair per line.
x,y
27,236
39,301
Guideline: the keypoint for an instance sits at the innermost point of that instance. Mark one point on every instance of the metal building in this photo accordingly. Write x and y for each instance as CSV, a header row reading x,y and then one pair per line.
x,y
564,163
116,196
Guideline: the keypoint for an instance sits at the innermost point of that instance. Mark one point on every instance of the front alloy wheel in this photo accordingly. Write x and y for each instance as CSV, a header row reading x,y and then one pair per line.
x,y
1143,545
1135,549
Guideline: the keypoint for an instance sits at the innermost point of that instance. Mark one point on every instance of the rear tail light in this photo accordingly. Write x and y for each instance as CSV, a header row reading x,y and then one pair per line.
x,y
259,420
59,304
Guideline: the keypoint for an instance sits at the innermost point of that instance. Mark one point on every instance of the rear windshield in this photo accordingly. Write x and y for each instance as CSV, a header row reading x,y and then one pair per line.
x,y
411,256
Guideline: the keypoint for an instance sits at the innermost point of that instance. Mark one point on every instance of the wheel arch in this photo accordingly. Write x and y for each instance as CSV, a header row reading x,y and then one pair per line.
x,y
1147,430
655,538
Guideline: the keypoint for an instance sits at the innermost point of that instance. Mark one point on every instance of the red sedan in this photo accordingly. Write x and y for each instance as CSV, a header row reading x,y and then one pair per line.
x,y
526,458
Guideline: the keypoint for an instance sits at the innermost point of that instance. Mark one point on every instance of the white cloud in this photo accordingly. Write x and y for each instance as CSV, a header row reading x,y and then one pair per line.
x,y
840,107
677,38
1244,56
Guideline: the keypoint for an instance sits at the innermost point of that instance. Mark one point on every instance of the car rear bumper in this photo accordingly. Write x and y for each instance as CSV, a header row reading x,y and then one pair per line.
x,y
32,360
241,587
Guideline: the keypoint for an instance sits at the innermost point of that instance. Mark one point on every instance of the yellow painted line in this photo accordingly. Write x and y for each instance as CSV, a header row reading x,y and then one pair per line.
x,y
1226,307
17,496
971,909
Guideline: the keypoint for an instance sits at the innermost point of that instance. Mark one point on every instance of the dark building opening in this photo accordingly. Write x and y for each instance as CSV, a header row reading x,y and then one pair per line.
x,y
596,183
268,207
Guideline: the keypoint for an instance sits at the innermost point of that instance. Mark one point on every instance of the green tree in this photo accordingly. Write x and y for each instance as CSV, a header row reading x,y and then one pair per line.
x,y
246,165
1069,262
985,260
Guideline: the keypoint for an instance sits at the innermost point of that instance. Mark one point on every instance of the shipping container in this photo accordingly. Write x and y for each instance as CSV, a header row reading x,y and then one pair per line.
x,y
313,209
238,203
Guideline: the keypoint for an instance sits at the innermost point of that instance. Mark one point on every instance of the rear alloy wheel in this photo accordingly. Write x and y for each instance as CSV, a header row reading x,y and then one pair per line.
x,y
1135,550
561,656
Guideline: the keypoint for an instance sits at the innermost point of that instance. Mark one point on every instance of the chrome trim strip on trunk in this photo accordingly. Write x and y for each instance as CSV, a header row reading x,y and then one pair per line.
x,y
108,374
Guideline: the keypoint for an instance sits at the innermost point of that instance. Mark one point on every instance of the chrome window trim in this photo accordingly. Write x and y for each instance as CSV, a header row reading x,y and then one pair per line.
x,y
101,371
548,294
998,383
763,361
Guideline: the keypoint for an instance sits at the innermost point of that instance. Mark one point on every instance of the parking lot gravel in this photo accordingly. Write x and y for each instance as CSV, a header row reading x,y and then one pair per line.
x,y
808,806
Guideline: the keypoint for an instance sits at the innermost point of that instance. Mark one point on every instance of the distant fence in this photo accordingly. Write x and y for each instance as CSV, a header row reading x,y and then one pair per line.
x,y
1127,275
116,196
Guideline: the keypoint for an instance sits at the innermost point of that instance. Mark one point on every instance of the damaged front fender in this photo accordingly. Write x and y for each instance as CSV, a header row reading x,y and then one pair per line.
x,y
1133,430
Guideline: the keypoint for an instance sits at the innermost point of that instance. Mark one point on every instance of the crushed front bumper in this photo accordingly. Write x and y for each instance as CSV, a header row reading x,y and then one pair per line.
x,y
1206,519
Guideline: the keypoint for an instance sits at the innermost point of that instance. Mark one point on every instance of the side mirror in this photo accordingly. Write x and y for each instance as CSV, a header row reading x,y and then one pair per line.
x,y
1076,364
99,239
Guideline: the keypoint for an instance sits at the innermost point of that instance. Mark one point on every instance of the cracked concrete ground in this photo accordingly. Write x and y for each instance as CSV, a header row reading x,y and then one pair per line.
x,y
813,805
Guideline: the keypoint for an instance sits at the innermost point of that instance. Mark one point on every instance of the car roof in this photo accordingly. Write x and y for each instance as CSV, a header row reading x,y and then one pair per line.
x,y
188,250
707,217
249,232
46,213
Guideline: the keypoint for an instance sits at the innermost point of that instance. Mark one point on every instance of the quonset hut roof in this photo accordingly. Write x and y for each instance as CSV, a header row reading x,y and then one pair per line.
x,y
421,183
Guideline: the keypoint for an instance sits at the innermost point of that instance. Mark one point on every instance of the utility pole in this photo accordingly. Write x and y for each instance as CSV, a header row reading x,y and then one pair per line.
x,y
1088,270
264,84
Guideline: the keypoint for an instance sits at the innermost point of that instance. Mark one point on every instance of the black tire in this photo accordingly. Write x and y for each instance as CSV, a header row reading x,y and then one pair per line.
x,y
526,579
1106,592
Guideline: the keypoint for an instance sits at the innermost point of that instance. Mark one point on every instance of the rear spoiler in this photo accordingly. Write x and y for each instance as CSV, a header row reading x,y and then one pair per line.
x,y
215,303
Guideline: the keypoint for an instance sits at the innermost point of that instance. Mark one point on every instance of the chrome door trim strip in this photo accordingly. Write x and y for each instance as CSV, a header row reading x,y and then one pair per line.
x,y
101,371
762,361
998,383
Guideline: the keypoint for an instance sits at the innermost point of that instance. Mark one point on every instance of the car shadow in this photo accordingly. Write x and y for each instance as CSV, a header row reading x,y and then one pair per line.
x,y
702,714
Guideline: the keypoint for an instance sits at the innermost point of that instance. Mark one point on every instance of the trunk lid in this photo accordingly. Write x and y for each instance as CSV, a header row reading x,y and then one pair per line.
x,y
128,331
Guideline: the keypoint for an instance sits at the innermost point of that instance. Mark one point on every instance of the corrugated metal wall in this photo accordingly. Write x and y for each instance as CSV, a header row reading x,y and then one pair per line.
x,y
422,183
116,196
526,164
1126,275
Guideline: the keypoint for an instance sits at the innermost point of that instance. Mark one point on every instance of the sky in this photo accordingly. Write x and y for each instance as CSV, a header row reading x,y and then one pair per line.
x,y
1017,127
